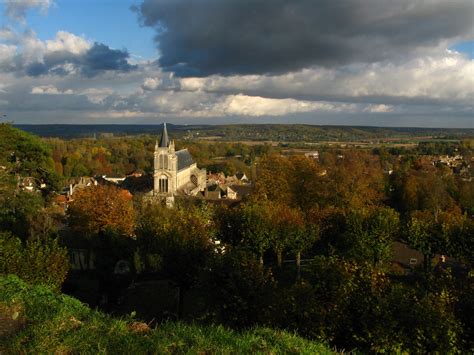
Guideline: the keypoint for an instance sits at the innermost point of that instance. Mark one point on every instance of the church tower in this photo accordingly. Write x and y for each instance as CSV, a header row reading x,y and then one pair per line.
x,y
165,166
175,172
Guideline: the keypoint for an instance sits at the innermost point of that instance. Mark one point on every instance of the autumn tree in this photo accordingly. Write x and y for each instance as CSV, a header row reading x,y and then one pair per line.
x,y
301,235
281,229
99,208
307,182
296,181
422,186
273,179
353,180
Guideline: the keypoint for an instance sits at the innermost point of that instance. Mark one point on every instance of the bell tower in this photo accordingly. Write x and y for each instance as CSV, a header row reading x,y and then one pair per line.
x,y
165,166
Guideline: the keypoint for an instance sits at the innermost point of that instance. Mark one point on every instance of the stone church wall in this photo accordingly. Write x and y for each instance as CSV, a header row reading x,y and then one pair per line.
x,y
184,176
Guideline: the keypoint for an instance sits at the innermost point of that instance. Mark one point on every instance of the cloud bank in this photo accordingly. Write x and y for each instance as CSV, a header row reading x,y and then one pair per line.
x,y
228,37
227,61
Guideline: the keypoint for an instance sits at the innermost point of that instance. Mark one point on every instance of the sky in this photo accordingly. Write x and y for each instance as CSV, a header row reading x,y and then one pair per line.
x,y
358,62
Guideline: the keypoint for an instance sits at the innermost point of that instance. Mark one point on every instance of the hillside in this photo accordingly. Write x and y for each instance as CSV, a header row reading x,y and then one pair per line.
x,y
253,132
45,322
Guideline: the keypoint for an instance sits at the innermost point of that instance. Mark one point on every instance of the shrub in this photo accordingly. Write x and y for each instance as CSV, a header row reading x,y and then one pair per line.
x,y
58,323
239,289
37,262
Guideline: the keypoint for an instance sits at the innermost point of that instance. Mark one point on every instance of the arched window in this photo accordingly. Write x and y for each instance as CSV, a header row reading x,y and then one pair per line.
x,y
163,184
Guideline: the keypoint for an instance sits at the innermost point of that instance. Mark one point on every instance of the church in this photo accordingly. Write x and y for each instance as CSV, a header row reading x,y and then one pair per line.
x,y
175,172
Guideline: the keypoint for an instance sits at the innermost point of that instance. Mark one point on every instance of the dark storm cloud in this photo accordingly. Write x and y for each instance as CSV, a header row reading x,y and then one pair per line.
x,y
97,59
203,37
100,58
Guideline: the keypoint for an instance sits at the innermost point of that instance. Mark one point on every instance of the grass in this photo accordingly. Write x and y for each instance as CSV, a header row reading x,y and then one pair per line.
x,y
56,323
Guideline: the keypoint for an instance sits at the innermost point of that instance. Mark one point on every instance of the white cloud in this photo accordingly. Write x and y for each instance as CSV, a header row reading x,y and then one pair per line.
x,y
17,9
7,56
244,105
96,95
7,34
112,114
379,108
194,84
68,42
445,77
151,83
34,50
31,49
202,104
49,90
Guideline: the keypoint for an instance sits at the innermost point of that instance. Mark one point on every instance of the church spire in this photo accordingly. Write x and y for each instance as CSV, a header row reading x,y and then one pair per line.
x,y
164,142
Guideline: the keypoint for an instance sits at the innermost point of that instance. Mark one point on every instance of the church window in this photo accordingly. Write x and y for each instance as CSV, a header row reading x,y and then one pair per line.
x,y
163,161
163,184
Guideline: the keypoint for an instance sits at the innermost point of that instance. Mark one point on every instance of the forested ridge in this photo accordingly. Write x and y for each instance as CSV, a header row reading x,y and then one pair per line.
x,y
276,132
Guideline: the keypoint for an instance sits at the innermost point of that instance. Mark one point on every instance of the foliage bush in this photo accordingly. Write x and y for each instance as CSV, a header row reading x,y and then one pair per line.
x,y
357,307
239,289
36,261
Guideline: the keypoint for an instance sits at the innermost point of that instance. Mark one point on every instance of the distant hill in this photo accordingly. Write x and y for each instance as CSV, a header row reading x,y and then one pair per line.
x,y
262,132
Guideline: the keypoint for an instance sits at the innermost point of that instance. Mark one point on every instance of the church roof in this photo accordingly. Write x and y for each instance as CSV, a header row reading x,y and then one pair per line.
x,y
185,159
164,141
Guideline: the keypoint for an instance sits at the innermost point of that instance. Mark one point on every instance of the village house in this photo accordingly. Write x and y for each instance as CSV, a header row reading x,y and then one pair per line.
x,y
79,183
30,184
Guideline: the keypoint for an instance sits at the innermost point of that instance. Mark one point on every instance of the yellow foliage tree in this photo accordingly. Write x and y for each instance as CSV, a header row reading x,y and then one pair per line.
x,y
96,209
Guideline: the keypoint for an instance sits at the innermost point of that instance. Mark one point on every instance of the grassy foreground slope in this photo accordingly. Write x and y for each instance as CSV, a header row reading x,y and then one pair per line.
x,y
48,322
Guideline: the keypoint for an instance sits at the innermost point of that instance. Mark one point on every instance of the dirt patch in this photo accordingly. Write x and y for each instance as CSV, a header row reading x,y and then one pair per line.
x,y
12,318
139,327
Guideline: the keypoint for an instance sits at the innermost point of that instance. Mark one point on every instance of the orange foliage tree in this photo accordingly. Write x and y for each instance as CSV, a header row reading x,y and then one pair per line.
x,y
100,208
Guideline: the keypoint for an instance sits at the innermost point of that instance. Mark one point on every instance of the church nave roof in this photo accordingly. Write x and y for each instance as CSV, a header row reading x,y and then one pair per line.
x,y
185,159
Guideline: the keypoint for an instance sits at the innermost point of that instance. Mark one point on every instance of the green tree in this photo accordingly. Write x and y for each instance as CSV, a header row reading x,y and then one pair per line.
x,y
433,233
371,233
18,209
257,227
182,239
29,155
